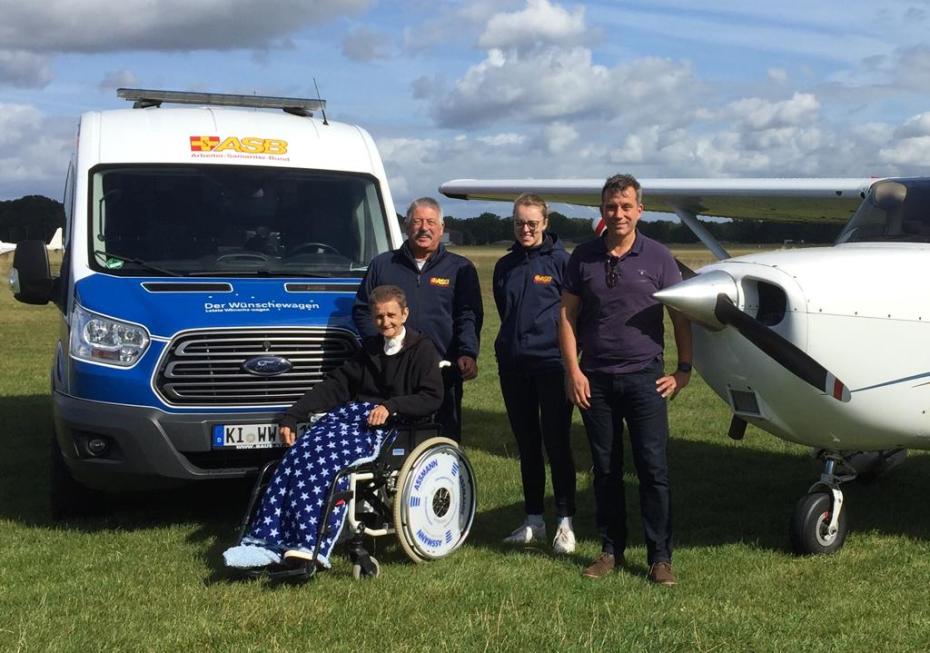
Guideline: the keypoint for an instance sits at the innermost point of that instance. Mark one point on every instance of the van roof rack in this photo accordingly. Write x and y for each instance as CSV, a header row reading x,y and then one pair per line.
x,y
143,98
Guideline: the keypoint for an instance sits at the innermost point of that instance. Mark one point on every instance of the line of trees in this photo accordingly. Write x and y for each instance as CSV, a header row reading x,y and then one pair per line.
x,y
490,228
37,217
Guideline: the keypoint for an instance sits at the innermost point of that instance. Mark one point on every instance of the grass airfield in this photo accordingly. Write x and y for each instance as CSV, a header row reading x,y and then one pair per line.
x,y
147,575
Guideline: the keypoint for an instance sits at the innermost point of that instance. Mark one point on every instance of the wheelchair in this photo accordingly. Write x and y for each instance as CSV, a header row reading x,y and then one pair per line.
x,y
421,488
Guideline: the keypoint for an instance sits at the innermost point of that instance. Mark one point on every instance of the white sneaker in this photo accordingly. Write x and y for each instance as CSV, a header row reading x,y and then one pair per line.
x,y
527,534
564,541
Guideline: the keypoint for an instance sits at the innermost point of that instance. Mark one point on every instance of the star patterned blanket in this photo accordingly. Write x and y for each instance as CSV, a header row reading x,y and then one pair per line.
x,y
290,515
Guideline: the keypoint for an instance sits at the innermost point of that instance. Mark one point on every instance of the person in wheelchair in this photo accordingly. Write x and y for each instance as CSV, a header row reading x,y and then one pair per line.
x,y
394,374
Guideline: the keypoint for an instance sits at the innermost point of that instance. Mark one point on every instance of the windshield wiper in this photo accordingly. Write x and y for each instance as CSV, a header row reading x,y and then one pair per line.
x,y
136,261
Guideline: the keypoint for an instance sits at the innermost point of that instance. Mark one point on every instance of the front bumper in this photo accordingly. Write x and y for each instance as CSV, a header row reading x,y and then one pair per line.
x,y
150,448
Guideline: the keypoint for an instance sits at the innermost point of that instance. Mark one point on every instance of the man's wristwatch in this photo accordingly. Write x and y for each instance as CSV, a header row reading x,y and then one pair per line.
x,y
684,367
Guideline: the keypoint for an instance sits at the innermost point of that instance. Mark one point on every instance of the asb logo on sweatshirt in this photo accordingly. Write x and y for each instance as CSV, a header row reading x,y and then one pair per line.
x,y
542,279
439,281
244,145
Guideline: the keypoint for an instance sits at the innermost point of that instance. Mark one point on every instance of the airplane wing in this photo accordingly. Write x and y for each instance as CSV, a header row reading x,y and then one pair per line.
x,y
777,200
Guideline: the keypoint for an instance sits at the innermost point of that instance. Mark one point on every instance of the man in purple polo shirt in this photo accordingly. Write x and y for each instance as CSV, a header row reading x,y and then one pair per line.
x,y
609,314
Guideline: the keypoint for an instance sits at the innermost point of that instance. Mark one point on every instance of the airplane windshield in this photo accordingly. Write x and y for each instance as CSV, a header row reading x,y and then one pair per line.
x,y
894,211
234,220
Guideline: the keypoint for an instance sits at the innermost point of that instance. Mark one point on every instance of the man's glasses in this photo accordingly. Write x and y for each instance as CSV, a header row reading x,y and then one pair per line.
x,y
613,274
531,225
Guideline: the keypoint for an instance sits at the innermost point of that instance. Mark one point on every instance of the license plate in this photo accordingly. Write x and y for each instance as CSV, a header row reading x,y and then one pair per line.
x,y
248,436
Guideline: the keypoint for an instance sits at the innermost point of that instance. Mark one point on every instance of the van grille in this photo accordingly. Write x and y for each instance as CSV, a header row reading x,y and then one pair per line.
x,y
204,368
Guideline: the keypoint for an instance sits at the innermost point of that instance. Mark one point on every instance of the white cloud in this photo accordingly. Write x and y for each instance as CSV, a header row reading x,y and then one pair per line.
x,y
24,69
539,23
363,44
556,83
910,152
105,26
778,75
502,140
759,113
118,79
33,151
559,137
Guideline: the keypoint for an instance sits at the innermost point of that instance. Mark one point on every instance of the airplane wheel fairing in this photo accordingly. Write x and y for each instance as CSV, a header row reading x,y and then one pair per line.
x,y
810,525
435,502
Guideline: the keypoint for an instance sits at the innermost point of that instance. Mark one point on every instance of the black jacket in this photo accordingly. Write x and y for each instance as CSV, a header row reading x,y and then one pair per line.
x,y
408,383
528,292
444,298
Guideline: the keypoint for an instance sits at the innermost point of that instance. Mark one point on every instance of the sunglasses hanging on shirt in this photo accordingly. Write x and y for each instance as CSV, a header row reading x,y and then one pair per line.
x,y
613,274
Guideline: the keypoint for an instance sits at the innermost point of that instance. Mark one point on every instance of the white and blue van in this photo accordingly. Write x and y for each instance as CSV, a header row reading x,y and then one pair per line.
x,y
211,259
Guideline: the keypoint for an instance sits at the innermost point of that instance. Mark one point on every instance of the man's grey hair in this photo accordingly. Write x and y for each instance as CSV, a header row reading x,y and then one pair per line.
x,y
424,201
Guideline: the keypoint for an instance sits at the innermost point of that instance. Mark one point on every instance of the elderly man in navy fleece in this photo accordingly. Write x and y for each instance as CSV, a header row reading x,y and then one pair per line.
x,y
609,313
444,297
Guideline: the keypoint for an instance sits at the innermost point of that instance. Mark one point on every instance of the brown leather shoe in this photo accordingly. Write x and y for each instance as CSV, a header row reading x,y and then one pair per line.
x,y
602,565
661,573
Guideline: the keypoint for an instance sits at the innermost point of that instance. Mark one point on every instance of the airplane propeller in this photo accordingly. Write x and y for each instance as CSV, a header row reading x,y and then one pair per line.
x,y
710,299
780,349
686,272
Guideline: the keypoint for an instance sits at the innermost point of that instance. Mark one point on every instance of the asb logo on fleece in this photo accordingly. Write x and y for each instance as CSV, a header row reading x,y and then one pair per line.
x,y
442,282
542,279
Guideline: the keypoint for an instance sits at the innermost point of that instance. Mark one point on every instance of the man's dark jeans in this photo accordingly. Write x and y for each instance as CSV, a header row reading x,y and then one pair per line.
x,y
630,398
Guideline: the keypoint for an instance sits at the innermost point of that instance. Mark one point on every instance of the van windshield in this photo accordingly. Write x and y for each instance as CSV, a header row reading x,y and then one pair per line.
x,y
234,220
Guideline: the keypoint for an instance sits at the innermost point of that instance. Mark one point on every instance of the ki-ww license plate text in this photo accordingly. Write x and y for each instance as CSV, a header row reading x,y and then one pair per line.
x,y
248,436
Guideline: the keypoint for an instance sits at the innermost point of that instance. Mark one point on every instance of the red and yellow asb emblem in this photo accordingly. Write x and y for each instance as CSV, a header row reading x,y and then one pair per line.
x,y
244,145
204,143
439,281
542,279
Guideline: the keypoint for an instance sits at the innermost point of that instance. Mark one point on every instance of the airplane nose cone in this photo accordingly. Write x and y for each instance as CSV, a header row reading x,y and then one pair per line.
x,y
697,297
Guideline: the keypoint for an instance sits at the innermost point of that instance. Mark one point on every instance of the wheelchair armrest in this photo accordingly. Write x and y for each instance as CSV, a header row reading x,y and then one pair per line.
x,y
407,437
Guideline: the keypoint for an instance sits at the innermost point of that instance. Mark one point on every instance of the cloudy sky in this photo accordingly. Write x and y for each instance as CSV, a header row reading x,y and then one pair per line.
x,y
500,88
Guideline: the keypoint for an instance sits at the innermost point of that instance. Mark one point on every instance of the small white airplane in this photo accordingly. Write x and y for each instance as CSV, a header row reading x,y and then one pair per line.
x,y
812,345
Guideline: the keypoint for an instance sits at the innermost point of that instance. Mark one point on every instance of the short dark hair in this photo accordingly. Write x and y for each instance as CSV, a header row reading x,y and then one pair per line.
x,y
384,294
619,183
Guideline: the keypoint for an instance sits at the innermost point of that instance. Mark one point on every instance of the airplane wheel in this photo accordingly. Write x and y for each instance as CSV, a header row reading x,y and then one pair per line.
x,y
810,522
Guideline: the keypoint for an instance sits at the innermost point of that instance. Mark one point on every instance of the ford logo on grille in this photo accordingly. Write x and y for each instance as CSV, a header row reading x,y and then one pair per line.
x,y
267,365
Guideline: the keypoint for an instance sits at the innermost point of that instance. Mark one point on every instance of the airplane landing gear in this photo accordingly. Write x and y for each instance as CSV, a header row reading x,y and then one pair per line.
x,y
819,524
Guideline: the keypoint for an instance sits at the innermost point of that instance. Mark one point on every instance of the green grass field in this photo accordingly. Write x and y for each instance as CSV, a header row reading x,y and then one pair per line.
x,y
147,575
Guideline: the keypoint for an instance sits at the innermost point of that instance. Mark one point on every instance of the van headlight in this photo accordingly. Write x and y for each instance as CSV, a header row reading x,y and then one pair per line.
x,y
104,340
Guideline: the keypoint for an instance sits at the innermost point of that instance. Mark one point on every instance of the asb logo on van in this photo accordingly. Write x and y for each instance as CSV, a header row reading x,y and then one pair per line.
x,y
267,365
244,145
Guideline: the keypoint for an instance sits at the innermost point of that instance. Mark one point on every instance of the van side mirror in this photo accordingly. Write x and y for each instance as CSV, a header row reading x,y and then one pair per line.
x,y
31,276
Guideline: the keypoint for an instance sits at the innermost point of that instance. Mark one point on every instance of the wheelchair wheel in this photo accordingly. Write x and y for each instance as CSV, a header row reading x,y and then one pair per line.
x,y
434,503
